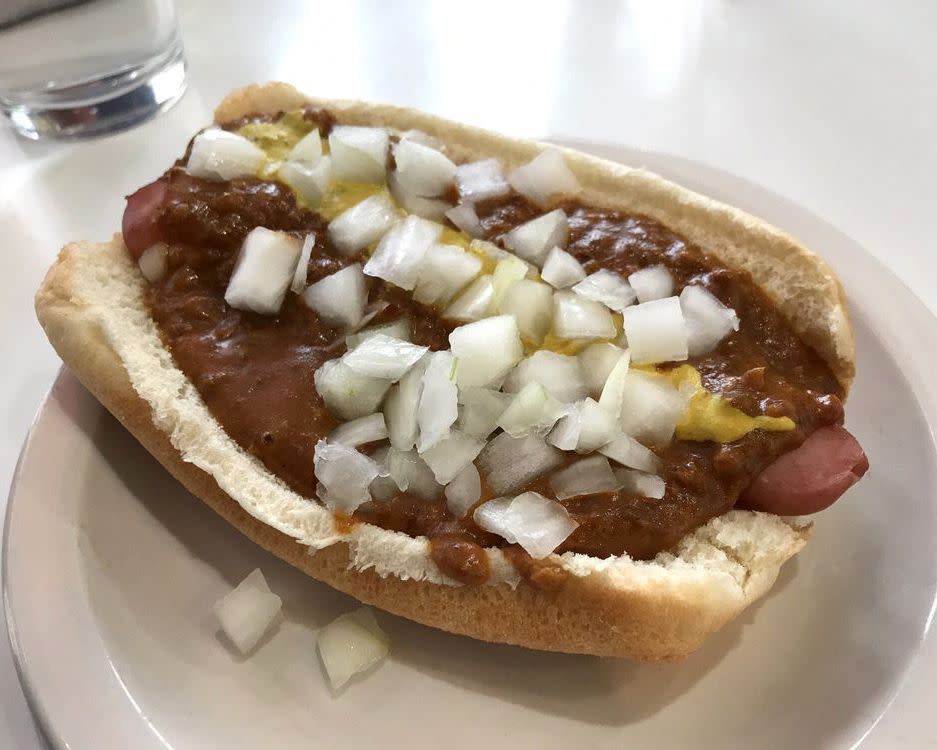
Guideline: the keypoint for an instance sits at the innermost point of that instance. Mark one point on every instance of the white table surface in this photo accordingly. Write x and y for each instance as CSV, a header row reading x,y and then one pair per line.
x,y
832,104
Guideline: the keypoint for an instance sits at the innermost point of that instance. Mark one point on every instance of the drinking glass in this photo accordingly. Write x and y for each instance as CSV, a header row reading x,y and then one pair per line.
x,y
81,68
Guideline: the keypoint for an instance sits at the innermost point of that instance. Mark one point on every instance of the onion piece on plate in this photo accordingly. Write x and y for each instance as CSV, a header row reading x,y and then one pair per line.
x,y
452,454
531,303
575,317
359,431
302,266
439,406
344,476
708,321
511,462
535,522
534,239
359,154
152,262
463,491
400,253
656,331
481,180
422,170
308,149
486,350
653,282
608,288
465,218
351,644
311,181
480,410
473,303
532,410
507,271
428,208
220,155
652,408
545,177
263,271
347,394
597,362
597,426
627,451
446,269
588,476
247,611
641,483
364,223
562,270
397,329
381,356
560,374
401,405
339,298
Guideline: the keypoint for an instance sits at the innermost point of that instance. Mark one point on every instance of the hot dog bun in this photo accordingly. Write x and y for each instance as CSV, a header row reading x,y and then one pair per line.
x,y
91,307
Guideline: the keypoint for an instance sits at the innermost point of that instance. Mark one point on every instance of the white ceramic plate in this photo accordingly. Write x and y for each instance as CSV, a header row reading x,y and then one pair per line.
x,y
111,570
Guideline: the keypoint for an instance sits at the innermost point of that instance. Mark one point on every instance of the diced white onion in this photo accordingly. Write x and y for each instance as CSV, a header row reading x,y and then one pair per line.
x,y
654,282
344,476
575,317
398,329
480,410
560,374
152,262
263,271
613,392
445,270
439,404
532,410
418,136
545,177
608,288
359,154
641,483
489,250
531,302
535,522
451,455
463,491
339,298
351,644
562,270
422,170
473,303
362,224
381,356
302,267
347,394
401,251
219,155
597,426
627,451
565,435
486,350
248,611
428,208
587,476
311,181
656,331
481,180
359,431
597,362
708,321
308,149
651,408
412,474
401,405
511,462
507,271
465,218
534,239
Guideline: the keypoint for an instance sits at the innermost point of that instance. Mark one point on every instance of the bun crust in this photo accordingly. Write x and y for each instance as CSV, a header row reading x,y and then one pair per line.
x,y
91,307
